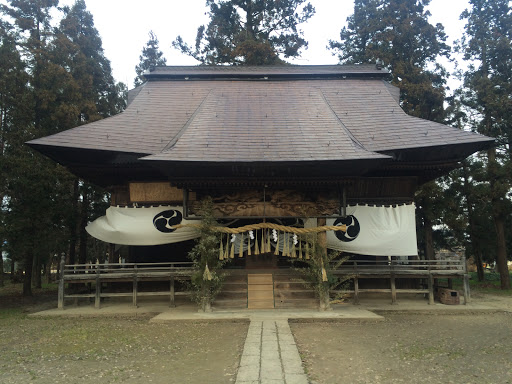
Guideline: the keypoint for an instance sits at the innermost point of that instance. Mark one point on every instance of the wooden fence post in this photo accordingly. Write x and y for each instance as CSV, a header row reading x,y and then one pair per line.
x,y
60,298
172,304
430,288
393,288
465,283
97,299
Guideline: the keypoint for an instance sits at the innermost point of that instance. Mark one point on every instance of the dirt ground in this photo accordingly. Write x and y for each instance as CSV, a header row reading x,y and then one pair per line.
x,y
407,348
117,350
403,348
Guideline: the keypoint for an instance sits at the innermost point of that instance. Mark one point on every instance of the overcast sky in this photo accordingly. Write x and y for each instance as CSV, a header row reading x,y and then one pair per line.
x,y
124,25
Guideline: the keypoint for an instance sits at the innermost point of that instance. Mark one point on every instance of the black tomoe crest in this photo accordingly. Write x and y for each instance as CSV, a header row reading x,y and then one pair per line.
x,y
353,228
164,220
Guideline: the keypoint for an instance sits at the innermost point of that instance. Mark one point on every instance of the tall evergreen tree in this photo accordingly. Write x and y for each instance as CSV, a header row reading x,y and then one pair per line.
x,y
29,177
15,111
250,32
151,57
69,82
78,49
487,46
399,33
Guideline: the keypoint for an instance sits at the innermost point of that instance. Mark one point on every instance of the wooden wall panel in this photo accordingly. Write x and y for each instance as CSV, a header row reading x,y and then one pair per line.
x,y
155,193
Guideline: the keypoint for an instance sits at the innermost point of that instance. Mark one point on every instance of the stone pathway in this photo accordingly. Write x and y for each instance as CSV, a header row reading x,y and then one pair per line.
x,y
270,355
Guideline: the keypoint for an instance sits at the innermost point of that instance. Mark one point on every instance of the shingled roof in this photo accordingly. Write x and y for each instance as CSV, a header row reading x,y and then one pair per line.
x,y
264,115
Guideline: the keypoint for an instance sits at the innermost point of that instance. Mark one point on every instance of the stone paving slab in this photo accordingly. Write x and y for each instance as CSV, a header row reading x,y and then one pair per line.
x,y
272,364
346,311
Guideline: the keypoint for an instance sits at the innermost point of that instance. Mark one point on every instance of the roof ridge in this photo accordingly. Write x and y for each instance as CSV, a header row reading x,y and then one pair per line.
x,y
350,135
180,133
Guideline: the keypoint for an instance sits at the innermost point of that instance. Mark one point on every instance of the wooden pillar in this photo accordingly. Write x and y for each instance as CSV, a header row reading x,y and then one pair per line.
x,y
60,297
135,285
430,289
322,236
322,241
172,303
356,290
111,253
393,289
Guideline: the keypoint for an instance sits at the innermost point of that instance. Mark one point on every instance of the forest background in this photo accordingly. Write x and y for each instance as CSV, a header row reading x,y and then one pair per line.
x,y
54,76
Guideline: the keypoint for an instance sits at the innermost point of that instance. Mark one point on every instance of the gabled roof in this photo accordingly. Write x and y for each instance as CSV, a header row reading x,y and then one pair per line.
x,y
265,115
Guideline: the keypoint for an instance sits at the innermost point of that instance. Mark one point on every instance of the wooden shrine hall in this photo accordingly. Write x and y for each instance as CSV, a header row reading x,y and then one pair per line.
x,y
300,146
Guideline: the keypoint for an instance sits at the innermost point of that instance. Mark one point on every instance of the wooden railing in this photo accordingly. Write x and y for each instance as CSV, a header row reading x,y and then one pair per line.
x,y
127,272
399,268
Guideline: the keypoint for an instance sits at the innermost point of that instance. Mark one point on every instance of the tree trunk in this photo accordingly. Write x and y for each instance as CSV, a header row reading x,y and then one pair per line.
x,y
477,253
36,271
499,222
48,269
72,224
1,270
27,279
429,241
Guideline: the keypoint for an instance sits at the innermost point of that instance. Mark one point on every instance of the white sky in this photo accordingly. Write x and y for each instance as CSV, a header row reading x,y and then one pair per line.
x,y
124,25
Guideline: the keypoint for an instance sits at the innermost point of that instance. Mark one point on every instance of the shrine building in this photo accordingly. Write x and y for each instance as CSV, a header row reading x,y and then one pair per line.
x,y
301,146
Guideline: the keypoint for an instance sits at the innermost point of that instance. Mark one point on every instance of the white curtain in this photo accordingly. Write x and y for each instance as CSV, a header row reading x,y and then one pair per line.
x,y
142,226
384,231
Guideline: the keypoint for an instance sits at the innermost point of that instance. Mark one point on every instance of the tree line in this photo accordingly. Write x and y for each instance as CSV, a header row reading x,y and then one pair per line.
x,y
55,78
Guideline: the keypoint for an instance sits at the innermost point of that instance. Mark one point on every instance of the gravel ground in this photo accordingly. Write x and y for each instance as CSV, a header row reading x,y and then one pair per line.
x,y
405,348
117,350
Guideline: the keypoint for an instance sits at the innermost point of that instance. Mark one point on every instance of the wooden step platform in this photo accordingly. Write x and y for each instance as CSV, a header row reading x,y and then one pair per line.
x,y
260,291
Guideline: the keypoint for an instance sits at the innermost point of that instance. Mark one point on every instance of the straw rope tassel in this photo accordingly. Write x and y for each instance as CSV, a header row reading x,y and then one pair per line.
x,y
300,248
324,272
262,248
286,244
207,274
307,250
256,246
221,249
241,250
232,252
294,251
277,245
269,248
249,246
226,251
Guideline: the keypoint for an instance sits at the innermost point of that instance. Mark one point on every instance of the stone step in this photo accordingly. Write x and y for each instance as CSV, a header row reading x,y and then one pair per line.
x,y
290,295
254,278
231,303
